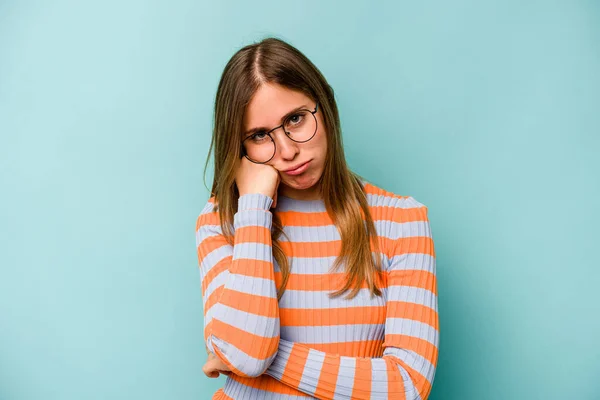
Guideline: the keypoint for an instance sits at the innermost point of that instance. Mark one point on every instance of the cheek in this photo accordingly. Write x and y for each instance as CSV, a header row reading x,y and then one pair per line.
x,y
322,144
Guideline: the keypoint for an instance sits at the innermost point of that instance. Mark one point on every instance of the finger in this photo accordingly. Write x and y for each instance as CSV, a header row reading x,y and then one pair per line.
x,y
276,191
211,373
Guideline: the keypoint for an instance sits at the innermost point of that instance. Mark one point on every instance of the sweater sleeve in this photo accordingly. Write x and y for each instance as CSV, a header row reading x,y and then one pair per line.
x,y
241,311
410,349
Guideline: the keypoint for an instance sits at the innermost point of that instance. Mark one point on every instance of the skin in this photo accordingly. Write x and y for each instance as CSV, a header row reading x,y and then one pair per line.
x,y
268,105
214,366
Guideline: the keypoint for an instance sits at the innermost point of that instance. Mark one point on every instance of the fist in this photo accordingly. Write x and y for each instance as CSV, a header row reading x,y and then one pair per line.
x,y
257,178
214,366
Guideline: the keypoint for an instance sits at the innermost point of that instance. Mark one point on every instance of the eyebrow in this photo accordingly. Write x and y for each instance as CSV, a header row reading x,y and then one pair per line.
x,y
262,128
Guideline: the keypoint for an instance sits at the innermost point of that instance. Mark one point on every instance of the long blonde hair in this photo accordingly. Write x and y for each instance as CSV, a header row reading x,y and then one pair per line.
x,y
274,61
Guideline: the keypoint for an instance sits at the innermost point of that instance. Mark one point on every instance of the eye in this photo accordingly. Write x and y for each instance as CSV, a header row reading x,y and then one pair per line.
x,y
295,119
258,136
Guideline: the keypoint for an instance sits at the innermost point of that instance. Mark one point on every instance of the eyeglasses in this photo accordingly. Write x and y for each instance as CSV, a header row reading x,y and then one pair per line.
x,y
300,127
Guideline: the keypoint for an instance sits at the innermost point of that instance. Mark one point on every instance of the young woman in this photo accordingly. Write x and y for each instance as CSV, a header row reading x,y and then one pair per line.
x,y
315,282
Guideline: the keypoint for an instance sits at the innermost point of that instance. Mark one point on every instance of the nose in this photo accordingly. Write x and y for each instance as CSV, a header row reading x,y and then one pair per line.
x,y
285,146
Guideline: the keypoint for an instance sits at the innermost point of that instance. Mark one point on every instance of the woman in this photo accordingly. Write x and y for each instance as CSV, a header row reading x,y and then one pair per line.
x,y
288,230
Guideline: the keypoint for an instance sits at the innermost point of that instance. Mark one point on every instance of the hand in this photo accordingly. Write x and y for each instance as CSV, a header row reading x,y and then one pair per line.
x,y
257,178
214,366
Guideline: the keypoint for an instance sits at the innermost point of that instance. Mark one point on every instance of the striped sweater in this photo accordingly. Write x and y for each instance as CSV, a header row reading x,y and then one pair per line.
x,y
307,345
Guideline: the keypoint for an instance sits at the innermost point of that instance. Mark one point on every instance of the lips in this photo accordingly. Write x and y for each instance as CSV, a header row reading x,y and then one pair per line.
x,y
296,167
300,169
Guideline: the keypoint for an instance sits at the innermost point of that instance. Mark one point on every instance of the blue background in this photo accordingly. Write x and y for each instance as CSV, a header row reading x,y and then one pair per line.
x,y
486,112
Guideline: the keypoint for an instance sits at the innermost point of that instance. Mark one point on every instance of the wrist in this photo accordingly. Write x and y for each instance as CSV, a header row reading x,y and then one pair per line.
x,y
254,201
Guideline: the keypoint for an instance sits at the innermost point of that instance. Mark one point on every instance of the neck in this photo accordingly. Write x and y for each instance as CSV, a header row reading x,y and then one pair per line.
x,y
312,193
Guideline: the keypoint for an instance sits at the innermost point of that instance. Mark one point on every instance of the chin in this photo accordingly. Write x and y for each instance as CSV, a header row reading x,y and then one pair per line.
x,y
302,183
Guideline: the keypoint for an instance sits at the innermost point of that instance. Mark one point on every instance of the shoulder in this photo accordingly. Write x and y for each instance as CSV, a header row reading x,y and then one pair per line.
x,y
394,207
401,220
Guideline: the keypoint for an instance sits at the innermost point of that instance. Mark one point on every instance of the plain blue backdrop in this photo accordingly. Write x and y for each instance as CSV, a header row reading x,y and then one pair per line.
x,y
486,112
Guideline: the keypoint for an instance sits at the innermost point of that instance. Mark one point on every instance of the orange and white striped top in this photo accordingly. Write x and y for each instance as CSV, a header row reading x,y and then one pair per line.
x,y
307,345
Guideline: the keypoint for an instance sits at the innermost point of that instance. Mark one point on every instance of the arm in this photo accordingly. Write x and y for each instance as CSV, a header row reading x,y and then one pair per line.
x,y
241,311
407,368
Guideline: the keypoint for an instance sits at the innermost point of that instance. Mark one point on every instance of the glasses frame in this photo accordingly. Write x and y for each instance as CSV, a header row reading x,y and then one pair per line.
x,y
286,134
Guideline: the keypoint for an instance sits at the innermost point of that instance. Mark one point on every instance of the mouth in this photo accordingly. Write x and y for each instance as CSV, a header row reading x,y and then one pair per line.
x,y
298,169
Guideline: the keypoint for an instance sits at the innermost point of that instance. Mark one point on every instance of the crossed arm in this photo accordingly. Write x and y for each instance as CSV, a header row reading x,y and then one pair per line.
x,y
407,368
242,323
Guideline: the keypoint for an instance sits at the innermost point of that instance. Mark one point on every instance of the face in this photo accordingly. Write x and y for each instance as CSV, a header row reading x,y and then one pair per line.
x,y
268,106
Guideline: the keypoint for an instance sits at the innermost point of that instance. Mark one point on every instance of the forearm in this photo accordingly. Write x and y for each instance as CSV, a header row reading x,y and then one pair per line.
x,y
243,315
328,376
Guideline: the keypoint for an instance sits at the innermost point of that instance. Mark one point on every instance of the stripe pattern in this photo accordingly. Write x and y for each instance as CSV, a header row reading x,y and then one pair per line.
x,y
307,345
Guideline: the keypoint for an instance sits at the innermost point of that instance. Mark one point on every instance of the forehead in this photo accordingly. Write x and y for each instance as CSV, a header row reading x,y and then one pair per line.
x,y
270,103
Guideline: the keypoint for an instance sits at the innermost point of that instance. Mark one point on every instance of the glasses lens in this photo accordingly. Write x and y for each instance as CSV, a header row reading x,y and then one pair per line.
x,y
301,126
259,147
